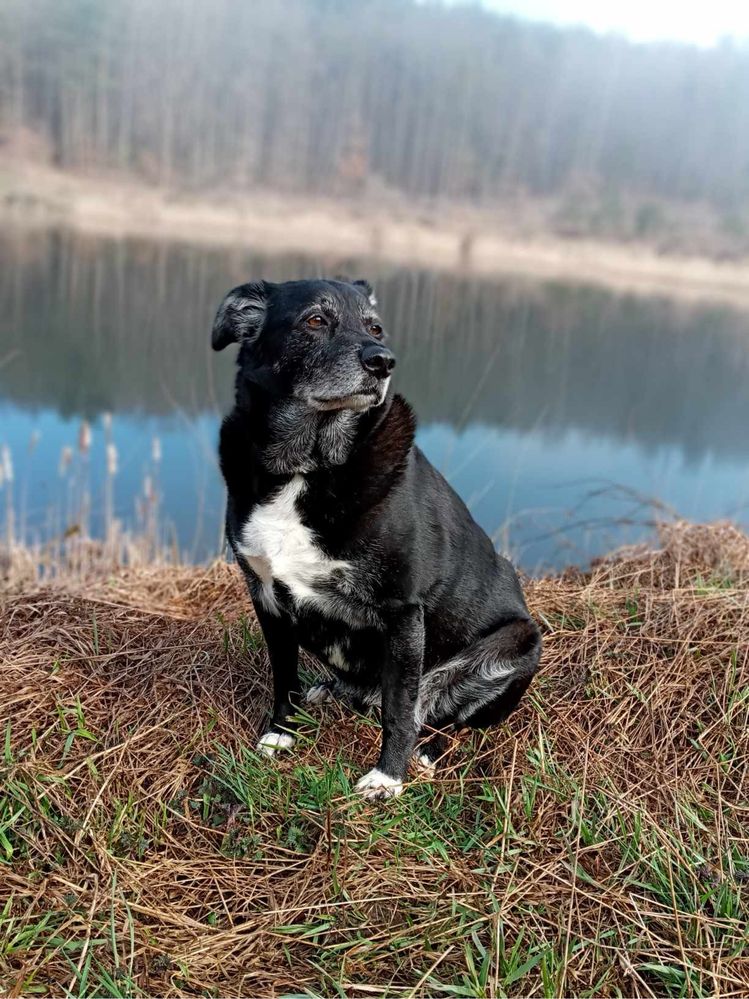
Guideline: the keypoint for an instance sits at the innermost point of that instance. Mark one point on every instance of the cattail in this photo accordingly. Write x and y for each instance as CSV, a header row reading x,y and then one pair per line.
x,y
111,459
156,450
7,462
84,437
66,459
33,440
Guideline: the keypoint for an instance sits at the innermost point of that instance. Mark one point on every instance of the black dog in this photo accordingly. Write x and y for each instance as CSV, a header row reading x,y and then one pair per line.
x,y
354,547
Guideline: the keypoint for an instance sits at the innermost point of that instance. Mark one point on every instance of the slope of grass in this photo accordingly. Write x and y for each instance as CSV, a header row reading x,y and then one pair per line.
x,y
595,845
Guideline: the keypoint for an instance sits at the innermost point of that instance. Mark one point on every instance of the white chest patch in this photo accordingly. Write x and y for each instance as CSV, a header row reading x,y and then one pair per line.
x,y
279,548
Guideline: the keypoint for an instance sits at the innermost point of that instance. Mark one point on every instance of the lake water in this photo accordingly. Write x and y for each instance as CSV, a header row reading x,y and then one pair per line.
x,y
569,418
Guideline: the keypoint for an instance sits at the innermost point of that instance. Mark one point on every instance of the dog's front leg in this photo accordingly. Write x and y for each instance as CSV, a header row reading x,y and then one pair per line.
x,y
283,650
401,674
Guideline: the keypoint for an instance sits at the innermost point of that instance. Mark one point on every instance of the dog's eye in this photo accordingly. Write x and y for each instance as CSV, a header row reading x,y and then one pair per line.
x,y
316,322
375,329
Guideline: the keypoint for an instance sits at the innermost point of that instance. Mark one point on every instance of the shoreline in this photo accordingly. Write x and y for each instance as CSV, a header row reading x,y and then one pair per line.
x,y
36,197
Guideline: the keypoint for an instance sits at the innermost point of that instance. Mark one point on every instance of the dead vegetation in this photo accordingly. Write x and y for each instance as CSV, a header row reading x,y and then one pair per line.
x,y
596,845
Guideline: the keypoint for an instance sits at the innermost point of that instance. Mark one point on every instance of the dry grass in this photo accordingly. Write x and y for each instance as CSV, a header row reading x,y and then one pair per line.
x,y
596,845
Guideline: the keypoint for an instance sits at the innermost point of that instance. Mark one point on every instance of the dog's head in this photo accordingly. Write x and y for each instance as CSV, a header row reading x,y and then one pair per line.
x,y
320,342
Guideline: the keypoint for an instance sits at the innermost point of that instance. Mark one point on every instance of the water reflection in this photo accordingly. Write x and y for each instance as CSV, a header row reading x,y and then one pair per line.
x,y
530,396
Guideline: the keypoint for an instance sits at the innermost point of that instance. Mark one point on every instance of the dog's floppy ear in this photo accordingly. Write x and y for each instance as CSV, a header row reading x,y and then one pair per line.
x,y
368,290
241,314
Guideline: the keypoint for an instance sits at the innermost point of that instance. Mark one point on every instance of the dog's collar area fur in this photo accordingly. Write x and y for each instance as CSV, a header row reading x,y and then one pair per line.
x,y
289,437
304,440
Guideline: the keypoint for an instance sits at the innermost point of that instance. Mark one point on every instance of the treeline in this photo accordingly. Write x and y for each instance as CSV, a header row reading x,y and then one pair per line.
x,y
352,95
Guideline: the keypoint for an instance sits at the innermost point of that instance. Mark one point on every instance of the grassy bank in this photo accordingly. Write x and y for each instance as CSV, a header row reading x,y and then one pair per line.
x,y
595,845
515,238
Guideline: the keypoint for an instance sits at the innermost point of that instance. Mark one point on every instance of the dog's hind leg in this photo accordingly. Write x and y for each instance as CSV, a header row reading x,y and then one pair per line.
x,y
483,684
429,752
320,693
358,698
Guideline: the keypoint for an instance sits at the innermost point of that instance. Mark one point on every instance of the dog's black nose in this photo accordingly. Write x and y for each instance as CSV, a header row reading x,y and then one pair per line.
x,y
378,359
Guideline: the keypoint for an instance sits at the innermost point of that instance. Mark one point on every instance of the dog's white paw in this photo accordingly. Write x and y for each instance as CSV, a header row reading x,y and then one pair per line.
x,y
424,765
271,742
376,785
318,694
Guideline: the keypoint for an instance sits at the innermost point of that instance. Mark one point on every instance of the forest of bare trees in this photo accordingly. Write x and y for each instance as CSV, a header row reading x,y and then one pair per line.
x,y
342,95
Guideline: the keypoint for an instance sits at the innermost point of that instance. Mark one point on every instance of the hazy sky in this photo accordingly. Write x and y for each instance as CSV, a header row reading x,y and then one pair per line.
x,y
700,21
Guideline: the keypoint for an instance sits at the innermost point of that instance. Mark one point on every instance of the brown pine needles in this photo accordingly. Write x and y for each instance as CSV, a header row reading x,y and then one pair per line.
x,y
595,845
